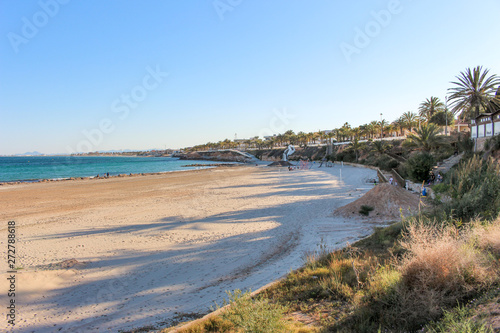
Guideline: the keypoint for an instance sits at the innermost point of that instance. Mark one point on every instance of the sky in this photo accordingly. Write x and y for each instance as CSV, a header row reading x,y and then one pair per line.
x,y
79,76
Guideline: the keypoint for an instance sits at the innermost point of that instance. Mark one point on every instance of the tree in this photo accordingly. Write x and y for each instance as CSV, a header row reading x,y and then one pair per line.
x,y
355,144
382,125
472,92
430,106
419,166
399,125
380,147
409,120
439,118
426,138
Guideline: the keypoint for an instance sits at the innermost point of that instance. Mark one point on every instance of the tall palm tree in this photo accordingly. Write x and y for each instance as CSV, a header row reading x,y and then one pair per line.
x,y
355,144
430,106
399,125
382,125
426,138
472,92
373,128
409,119
330,136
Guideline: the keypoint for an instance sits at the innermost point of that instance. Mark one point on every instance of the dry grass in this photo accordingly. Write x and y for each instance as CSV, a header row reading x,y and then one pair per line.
x,y
442,266
488,237
380,284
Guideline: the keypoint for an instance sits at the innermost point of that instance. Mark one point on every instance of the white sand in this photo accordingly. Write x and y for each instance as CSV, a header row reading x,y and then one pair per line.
x,y
159,247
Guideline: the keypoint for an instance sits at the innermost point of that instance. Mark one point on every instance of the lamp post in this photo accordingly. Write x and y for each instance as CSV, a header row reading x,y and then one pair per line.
x,y
446,115
381,127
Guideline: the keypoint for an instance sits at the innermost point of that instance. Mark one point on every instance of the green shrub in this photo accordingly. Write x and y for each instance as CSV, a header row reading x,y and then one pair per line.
x,y
465,145
253,315
365,210
419,165
475,188
458,320
385,162
441,188
492,143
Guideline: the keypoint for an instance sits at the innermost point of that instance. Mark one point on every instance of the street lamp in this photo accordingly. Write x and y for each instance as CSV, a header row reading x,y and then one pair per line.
x,y
381,127
446,115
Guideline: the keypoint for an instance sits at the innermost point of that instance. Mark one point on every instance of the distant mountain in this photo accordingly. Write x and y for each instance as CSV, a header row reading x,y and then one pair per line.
x,y
33,153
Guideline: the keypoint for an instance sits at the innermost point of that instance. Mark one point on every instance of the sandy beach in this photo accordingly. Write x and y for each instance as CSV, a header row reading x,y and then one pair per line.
x,y
152,250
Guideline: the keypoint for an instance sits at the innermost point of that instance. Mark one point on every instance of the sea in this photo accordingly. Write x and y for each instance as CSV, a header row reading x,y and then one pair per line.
x,y
35,168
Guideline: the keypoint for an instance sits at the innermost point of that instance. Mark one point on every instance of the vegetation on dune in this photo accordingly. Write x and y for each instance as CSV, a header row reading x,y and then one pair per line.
x,y
475,189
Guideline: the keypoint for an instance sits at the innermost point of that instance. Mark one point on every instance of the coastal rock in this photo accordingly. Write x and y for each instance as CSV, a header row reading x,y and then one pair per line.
x,y
220,156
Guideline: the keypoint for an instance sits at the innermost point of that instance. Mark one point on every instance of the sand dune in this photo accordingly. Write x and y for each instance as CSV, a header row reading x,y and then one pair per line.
x,y
152,249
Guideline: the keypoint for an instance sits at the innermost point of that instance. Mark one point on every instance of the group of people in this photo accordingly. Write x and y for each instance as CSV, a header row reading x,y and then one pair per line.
x,y
392,181
434,179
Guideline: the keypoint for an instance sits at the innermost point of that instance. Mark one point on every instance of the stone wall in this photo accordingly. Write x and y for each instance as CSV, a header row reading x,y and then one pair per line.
x,y
479,143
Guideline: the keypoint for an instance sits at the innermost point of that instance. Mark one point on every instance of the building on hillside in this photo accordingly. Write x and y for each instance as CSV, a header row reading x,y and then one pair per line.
x,y
461,126
486,124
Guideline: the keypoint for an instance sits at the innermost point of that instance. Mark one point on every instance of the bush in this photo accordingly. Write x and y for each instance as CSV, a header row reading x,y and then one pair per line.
x,y
347,155
458,320
253,315
492,143
465,145
442,266
365,210
475,188
385,162
441,188
419,165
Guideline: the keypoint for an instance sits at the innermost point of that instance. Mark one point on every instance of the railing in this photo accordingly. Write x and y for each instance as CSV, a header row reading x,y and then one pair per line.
x,y
381,177
398,178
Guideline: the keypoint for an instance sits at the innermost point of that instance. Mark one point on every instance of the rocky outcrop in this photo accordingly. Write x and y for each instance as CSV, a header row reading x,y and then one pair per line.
x,y
220,156
273,155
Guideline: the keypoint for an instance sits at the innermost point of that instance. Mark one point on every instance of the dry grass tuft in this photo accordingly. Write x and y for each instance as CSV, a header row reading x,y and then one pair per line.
x,y
488,238
441,266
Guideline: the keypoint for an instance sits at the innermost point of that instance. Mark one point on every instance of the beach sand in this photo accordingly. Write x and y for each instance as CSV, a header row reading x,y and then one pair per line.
x,y
152,250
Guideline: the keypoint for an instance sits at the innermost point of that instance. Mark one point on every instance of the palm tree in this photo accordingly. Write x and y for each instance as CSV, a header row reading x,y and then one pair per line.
x,y
409,120
330,136
399,125
381,125
355,144
425,138
430,106
472,92
372,128
380,146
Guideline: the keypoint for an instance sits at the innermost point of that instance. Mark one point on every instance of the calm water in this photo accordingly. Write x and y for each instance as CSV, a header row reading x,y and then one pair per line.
x,y
57,167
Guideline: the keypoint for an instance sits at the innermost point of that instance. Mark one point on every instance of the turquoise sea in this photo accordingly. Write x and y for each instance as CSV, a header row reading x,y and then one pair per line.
x,y
32,168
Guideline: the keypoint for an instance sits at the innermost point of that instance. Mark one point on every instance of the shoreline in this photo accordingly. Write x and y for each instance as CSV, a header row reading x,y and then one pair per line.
x,y
197,167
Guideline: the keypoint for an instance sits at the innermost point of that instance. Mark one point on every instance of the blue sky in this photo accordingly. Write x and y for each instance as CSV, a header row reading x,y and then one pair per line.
x,y
98,75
